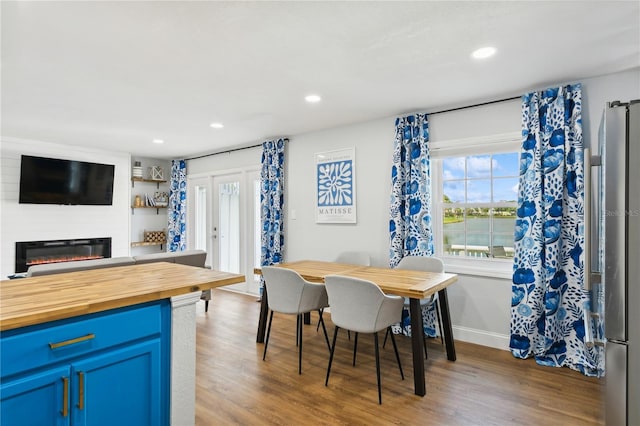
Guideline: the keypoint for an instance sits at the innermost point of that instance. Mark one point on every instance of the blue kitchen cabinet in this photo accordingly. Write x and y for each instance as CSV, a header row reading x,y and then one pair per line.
x,y
36,399
110,368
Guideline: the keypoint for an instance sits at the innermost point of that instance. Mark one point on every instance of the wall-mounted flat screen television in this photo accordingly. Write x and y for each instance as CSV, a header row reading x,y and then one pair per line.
x,y
56,181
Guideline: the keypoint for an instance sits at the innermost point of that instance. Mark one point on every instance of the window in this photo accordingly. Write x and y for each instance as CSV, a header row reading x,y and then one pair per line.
x,y
475,188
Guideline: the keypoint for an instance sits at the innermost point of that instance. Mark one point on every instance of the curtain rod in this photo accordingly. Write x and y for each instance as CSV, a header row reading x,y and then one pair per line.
x,y
474,105
428,113
224,152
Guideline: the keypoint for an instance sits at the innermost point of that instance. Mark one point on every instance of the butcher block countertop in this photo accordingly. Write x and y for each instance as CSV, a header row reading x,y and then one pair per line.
x,y
35,300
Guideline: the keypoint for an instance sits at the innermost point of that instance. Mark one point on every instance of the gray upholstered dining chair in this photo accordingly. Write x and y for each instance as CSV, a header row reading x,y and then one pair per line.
x,y
428,264
354,258
360,306
289,293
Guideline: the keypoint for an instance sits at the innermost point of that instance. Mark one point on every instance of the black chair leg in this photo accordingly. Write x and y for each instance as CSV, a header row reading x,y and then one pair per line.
x,y
266,340
355,349
297,329
320,311
324,329
395,349
375,339
333,348
206,306
386,334
300,322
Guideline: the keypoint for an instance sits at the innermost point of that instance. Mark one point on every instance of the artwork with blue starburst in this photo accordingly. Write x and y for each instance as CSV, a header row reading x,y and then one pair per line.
x,y
335,186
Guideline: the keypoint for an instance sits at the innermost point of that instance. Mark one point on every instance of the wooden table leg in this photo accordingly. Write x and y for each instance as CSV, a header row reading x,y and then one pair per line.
x,y
262,318
417,344
446,324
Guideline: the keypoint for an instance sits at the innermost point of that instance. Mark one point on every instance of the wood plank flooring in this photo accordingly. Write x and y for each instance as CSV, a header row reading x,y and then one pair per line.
x,y
484,386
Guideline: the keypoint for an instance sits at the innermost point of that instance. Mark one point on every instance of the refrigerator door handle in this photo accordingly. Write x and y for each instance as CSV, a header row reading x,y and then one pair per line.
x,y
590,277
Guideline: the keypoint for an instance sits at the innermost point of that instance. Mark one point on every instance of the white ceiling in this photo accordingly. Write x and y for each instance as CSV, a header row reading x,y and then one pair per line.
x,y
119,74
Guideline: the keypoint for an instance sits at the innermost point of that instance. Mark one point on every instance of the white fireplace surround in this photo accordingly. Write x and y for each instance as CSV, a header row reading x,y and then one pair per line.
x,y
31,222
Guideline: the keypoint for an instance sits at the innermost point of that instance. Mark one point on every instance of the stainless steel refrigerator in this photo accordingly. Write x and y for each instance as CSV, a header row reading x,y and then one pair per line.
x,y
615,257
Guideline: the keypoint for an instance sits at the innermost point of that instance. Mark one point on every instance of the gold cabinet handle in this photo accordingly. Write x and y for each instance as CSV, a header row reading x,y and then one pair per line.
x,y
72,341
65,396
81,390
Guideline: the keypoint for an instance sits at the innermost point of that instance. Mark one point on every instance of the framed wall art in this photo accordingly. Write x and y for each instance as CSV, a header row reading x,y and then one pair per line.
x,y
336,186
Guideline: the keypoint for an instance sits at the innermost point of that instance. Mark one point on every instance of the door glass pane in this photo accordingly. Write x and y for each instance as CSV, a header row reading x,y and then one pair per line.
x,y
200,235
229,226
257,237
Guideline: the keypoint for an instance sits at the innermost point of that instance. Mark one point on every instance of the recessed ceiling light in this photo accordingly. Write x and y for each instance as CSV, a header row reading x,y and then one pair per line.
x,y
158,141
312,99
484,52
216,125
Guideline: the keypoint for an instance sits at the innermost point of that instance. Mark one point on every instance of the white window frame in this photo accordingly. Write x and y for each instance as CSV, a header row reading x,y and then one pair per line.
x,y
438,150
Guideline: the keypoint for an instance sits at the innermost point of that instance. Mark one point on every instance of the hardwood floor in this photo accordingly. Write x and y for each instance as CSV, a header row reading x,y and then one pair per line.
x,y
484,386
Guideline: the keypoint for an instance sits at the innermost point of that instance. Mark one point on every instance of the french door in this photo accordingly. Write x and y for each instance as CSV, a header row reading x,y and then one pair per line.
x,y
224,220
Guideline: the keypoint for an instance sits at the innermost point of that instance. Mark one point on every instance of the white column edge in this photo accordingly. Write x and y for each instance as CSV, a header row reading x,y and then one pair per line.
x,y
183,359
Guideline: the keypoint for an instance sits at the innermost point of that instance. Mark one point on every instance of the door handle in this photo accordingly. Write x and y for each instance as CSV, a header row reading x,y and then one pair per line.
x,y
80,390
65,397
72,341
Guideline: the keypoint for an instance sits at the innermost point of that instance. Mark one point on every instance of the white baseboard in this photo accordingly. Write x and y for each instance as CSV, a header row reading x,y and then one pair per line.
x,y
481,337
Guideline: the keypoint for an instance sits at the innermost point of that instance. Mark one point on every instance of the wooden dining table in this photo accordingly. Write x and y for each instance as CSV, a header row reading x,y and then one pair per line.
x,y
415,285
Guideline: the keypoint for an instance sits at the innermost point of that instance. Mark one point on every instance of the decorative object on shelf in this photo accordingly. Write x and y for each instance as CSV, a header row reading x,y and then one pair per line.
x,y
156,173
138,201
155,236
161,199
149,201
137,170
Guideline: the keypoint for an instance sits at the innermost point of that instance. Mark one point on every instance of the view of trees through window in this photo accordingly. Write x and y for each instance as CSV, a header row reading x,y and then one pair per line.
x,y
480,195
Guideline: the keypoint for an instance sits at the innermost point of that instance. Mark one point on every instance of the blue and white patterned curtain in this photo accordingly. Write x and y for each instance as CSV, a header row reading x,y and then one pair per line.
x,y
410,211
272,202
177,212
548,295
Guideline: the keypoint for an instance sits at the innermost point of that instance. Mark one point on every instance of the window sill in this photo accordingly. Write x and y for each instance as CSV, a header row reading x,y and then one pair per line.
x,y
482,268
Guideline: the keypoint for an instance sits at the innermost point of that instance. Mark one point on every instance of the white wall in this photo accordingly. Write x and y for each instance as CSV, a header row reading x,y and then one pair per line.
x,y
28,222
480,306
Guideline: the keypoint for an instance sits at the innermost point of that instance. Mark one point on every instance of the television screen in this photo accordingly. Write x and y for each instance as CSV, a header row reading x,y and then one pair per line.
x,y
56,181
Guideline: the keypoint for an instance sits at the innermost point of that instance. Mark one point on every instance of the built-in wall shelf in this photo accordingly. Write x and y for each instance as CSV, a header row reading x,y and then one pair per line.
x,y
146,243
150,187
136,179
133,208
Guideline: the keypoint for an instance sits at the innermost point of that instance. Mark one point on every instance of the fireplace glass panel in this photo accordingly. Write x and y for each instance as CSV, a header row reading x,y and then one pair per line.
x,y
30,253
